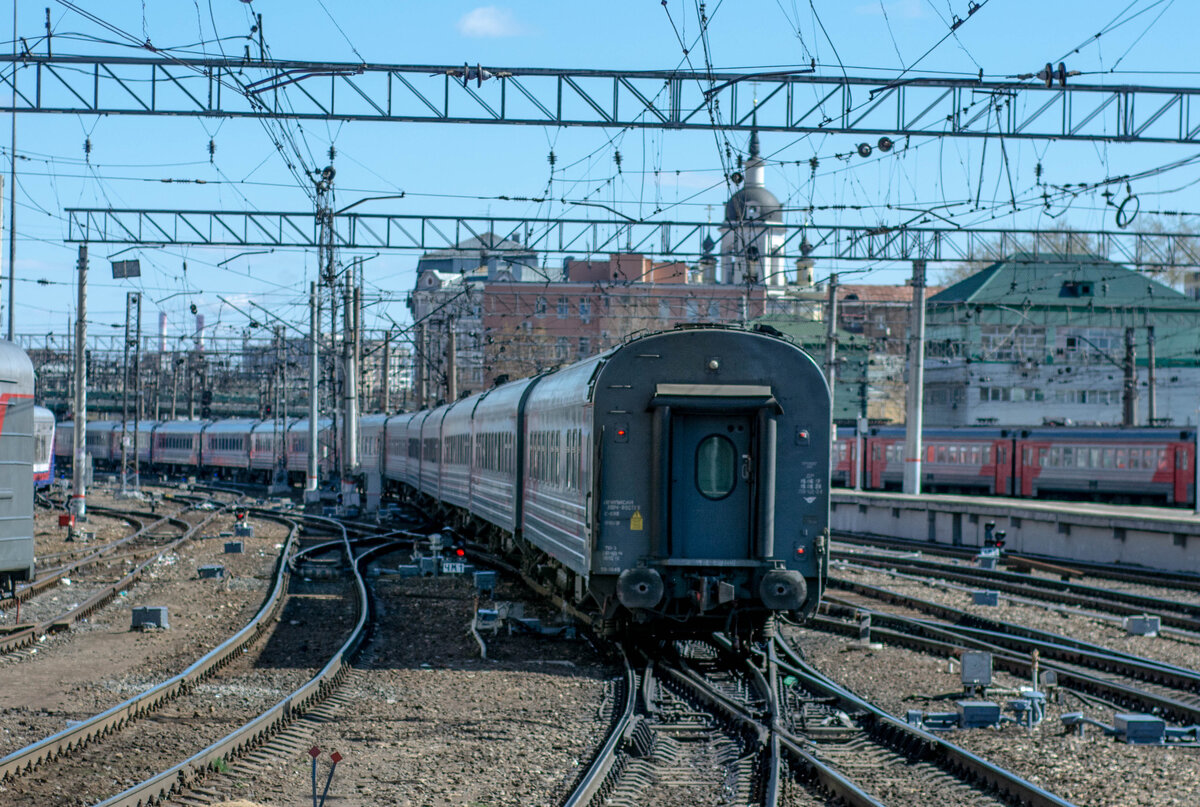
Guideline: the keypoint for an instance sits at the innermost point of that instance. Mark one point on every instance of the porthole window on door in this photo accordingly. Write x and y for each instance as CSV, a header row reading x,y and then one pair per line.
x,y
716,467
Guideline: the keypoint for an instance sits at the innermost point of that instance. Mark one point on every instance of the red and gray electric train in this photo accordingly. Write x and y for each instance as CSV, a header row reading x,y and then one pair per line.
x,y
1141,465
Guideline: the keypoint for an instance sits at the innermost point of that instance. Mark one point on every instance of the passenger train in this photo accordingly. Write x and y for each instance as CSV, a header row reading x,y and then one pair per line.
x,y
1144,465
17,437
680,479
43,447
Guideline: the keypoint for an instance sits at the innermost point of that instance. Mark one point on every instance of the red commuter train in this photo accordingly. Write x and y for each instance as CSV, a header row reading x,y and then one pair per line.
x,y
1138,465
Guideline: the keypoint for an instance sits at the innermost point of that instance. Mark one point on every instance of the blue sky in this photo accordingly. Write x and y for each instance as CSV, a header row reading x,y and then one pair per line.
x,y
442,168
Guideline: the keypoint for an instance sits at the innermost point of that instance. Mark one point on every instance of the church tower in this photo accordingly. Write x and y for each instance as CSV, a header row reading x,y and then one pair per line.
x,y
750,251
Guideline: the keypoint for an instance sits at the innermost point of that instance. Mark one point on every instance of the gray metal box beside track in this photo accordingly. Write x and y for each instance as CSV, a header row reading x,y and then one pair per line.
x,y
16,465
149,616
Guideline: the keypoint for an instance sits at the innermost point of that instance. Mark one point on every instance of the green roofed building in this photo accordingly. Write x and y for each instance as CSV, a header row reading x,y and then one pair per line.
x,y
1042,339
853,361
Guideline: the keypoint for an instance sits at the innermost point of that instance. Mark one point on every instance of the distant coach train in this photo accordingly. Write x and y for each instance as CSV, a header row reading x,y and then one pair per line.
x,y
1132,465
681,478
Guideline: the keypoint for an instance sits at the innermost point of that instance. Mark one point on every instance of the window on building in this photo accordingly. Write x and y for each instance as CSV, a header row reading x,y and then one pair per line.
x,y
562,348
585,347
1008,342
714,311
664,309
690,310
585,310
564,307
539,307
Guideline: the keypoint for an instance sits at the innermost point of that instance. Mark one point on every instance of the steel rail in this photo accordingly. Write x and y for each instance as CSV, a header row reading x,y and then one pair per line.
x,y
25,759
50,580
1146,576
29,635
944,641
919,744
1018,583
319,687
598,776
960,617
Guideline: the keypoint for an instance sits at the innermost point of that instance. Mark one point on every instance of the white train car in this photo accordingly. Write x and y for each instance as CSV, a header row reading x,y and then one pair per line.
x,y
371,443
103,441
454,484
297,446
225,445
430,474
499,442
64,436
43,446
264,453
177,443
145,439
397,455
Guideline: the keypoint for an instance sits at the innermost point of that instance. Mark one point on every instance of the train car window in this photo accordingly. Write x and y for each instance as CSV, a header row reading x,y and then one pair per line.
x,y
1122,457
716,459
1162,458
941,454
1108,458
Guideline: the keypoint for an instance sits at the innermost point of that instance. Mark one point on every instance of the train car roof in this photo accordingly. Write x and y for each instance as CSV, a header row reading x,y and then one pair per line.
x,y
238,425
269,424
1113,433
301,425
185,426
42,413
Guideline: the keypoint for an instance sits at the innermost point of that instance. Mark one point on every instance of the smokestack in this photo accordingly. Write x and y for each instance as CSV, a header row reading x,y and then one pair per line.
x,y
162,331
200,332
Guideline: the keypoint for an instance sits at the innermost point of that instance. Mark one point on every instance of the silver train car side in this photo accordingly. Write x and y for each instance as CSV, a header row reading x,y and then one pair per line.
x,y
16,466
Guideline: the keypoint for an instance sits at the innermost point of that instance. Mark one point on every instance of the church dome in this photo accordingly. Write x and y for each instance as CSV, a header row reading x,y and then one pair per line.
x,y
753,204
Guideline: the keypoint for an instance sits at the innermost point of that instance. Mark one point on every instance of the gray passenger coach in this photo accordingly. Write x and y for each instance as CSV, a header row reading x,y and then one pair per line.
x,y
680,478
16,466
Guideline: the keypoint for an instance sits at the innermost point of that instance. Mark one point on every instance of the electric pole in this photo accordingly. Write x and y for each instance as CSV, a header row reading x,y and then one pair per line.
x,y
385,403
311,479
137,393
79,434
831,343
349,393
421,366
1151,378
451,362
129,297
1129,413
916,383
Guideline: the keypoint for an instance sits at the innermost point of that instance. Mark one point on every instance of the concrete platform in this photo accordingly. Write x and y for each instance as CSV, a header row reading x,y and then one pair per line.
x,y
1152,537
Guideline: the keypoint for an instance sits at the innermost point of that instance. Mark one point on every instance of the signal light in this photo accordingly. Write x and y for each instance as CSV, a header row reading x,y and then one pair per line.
x,y
799,550
460,552
620,432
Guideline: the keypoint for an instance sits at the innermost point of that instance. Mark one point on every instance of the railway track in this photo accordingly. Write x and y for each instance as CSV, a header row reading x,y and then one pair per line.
x,y
24,635
266,736
847,544
1122,679
768,729
1173,613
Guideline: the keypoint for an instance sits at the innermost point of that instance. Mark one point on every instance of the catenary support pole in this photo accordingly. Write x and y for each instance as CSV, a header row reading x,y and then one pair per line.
x,y
12,193
79,435
125,399
311,479
137,392
914,414
1129,413
831,344
1151,378
451,363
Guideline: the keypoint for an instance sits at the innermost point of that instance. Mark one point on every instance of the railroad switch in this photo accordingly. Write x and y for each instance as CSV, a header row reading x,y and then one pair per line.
x,y
211,571
976,670
233,547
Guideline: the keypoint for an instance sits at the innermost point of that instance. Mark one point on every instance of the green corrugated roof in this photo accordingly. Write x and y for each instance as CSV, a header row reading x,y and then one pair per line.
x,y
1024,279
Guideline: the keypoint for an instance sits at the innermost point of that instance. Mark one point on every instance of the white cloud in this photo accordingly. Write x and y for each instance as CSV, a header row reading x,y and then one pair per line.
x,y
905,9
489,21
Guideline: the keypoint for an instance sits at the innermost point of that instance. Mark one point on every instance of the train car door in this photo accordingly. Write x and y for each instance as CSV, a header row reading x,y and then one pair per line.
x,y
1184,475
1003,467
711,473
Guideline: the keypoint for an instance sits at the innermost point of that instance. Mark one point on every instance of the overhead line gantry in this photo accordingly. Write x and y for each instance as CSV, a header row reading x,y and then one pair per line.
x,y
791,101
